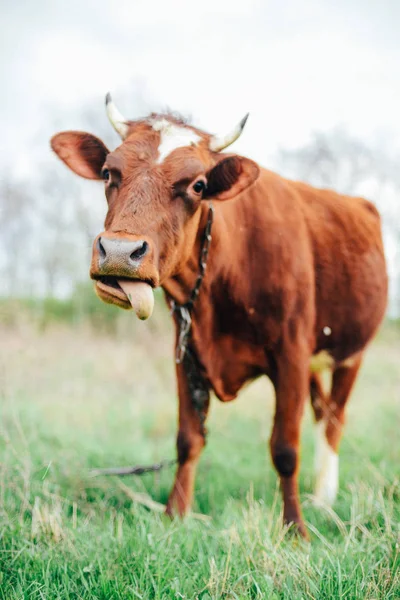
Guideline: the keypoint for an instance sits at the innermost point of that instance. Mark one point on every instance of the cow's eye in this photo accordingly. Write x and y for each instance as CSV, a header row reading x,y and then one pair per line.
x,y
106,175
199,186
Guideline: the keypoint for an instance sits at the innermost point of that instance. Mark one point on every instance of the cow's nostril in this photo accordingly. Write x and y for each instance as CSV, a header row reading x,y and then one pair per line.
x,y
140,251
101,249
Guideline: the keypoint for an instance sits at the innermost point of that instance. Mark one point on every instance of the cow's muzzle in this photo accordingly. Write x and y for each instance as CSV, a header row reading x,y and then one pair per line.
x,y
125,273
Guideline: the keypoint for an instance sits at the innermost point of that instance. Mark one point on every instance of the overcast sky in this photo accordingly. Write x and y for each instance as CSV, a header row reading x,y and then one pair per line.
x,y
297,66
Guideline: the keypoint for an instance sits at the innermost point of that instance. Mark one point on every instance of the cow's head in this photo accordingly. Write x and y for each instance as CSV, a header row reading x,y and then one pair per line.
x,y
155,182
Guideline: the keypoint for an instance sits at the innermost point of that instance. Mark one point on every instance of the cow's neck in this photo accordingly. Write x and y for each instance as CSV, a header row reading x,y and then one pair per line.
x,y
179,288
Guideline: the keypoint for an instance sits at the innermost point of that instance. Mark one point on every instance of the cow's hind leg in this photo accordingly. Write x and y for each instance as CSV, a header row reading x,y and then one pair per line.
x,y
318,396
329,411
190,442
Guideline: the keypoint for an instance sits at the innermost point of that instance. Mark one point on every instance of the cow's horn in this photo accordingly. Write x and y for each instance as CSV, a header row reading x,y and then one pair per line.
x,y
219,142
117,120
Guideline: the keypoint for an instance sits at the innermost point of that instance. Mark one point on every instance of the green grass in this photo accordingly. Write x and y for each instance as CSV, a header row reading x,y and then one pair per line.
x,y
72,400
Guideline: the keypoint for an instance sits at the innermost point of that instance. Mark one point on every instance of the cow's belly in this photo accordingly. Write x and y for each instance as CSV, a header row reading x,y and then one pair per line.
x,y
349,332
350,306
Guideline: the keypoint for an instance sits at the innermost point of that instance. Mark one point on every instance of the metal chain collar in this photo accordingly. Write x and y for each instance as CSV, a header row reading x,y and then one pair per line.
x,y
183,311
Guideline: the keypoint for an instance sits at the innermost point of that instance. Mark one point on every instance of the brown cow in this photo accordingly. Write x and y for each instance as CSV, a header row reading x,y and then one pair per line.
x,y
295,281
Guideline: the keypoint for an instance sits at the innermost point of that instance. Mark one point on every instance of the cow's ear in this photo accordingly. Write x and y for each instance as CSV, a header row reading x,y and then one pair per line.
x,y
230,176
82,152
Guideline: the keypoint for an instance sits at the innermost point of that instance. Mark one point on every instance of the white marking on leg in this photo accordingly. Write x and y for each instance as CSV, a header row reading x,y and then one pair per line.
x,y
326,467
172,137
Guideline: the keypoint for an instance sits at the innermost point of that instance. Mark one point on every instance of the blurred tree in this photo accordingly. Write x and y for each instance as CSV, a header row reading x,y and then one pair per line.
x,y
16,213
333,159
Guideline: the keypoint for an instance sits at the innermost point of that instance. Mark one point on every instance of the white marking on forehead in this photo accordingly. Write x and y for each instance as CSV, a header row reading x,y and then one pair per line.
x,y
172,137
327,330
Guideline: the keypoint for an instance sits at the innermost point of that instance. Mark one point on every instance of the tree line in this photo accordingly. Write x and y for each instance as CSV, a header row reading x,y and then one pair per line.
x,y
48,222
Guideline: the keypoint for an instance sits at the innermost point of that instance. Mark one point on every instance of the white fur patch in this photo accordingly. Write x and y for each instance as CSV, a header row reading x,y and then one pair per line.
x,y
173,137
326,467
321,361
349,362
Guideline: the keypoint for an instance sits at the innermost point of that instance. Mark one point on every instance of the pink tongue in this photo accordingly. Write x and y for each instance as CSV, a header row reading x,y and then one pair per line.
x,y
140,295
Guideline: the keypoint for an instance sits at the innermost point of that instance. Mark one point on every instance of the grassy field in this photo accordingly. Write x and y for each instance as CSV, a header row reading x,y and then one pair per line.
x,y
72,400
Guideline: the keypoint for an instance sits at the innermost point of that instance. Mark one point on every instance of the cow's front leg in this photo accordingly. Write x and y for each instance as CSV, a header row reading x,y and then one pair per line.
x,y
291,387
193,409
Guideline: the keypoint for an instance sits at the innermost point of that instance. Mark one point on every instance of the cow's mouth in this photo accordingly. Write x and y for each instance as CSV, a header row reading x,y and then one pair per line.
x,y
127,293
110,291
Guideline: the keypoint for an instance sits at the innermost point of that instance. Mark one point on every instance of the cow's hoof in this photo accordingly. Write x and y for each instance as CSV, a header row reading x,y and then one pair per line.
x,y
298,529
173,511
